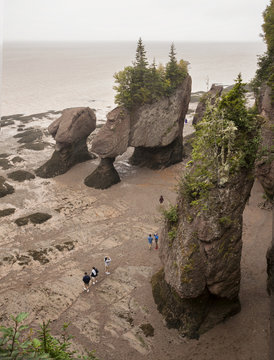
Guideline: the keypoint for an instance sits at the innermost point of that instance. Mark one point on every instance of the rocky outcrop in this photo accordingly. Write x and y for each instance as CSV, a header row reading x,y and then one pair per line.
x,y
156,129
111,141
265,162
212,95
104,176
201,252
70,132
5,188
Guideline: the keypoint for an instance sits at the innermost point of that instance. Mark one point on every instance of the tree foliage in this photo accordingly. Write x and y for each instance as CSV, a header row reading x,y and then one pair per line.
x,y
142,83
226,140
265,71
20,342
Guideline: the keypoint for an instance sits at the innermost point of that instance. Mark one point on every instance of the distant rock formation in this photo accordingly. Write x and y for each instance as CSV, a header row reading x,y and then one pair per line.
x,y
265,162
70,132
155,130
213,94
199,284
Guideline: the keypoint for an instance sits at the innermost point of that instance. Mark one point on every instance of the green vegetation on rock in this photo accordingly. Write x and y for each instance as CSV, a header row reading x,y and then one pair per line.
x,y
265,71
142,83
226,141
20,342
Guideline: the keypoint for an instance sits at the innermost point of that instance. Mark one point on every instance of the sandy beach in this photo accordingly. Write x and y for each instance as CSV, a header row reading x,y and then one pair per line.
x,y
42,265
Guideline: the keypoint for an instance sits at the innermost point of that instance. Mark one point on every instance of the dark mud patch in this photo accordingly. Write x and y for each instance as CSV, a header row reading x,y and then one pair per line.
x,y
2,156
17,159
5,188
67,245
5,164
29,136
36,146
6,122
7,212
147,329
20,175
36,218
39,255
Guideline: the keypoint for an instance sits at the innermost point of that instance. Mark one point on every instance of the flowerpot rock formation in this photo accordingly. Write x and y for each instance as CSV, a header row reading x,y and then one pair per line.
x,y
70,132
154,130
198,286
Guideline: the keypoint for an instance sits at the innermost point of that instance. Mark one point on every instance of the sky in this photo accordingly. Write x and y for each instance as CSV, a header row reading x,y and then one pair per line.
x,y
126,20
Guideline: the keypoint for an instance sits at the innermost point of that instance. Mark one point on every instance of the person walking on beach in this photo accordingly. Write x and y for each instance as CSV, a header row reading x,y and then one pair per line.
x,y
86,280
156,238
107,261
149,239
161,200
94,273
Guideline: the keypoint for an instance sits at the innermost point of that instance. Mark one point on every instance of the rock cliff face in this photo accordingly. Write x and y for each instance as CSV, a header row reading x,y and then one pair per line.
x,y
265,163
214,92
70,132
199,284
155,130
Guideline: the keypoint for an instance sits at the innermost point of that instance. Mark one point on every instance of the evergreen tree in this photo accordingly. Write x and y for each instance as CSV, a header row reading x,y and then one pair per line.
x,y
141,84
172,67
141,59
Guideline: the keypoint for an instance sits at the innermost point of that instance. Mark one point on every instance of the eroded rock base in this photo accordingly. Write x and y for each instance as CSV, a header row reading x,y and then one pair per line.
x,y
104,176
158,157
192,317
62,161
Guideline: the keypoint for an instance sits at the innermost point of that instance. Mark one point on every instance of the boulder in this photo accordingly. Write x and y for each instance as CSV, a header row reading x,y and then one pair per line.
x,y
214,93
70,132
265,162
5,188
104,176
112,138
201,253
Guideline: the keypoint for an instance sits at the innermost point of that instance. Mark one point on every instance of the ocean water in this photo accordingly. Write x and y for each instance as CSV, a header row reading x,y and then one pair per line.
x,y
52,76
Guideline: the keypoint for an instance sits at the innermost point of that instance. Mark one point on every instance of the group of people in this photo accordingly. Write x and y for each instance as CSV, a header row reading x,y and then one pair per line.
x,y
150,241
94,273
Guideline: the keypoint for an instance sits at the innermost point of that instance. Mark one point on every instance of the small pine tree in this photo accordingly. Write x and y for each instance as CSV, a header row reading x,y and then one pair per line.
x,y
172,67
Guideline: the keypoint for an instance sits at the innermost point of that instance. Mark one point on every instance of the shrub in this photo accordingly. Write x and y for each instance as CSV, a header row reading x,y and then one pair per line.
x,y
17,343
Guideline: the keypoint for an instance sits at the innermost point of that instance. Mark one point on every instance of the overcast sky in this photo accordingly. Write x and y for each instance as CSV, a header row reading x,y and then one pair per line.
x,y
171,20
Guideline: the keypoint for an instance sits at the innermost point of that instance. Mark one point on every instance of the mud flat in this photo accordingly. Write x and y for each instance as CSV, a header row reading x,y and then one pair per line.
x,y
41,265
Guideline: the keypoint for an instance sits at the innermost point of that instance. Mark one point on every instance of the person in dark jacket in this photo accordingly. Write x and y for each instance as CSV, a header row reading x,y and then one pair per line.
x,y
94,273
86,280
